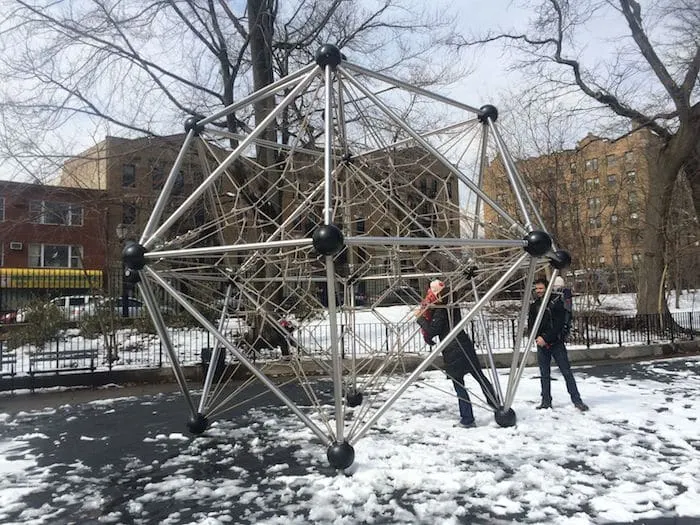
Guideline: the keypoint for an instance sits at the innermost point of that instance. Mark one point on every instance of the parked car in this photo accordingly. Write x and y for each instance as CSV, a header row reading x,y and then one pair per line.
x,y
72,307
135,307
8,317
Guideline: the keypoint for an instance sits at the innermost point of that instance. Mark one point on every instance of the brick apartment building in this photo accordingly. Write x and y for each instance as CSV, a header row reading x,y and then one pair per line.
x,y
50,237
592,199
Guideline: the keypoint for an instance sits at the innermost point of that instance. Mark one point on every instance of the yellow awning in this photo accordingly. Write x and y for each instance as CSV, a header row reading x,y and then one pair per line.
x,y
49,278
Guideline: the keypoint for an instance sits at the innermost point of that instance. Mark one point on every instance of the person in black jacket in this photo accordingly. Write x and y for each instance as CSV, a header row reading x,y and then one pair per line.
x,y
550,344
459,356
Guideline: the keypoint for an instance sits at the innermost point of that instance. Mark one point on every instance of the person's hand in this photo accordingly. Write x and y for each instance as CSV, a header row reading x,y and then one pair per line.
x,y
428,340
540,341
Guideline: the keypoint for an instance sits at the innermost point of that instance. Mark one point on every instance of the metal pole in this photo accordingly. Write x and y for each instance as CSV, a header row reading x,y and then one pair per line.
x,y
152,306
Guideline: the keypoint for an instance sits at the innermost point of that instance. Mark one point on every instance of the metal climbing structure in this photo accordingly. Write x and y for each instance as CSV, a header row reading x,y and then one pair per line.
x,y
375,181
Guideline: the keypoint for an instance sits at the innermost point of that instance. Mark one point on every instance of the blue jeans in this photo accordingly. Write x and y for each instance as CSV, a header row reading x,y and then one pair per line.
x,y
466,413
544,361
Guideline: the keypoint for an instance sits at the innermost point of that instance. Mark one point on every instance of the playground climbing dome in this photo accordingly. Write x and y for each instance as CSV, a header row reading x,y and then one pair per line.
x,y
375,184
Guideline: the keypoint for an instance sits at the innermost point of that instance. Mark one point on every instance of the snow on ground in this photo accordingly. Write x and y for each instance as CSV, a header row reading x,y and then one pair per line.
x,y
635,457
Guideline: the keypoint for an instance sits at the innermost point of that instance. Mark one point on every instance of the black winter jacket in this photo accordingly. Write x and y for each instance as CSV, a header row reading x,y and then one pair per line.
x,y
440,326
553,322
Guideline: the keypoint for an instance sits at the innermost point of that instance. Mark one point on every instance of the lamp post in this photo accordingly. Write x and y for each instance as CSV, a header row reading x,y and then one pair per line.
x,y
122,233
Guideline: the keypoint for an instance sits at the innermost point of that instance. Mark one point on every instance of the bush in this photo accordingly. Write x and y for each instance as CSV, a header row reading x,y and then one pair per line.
x,y
42,323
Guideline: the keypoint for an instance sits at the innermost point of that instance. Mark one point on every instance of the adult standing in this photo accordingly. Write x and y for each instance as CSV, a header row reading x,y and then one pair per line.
x,y
459,355
550,345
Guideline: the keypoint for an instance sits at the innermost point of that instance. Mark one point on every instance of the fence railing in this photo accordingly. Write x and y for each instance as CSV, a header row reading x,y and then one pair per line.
x,y
130,348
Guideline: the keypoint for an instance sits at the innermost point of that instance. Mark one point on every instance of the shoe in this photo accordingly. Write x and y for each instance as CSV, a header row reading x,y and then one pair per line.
x,y
583,407
466,425
544,405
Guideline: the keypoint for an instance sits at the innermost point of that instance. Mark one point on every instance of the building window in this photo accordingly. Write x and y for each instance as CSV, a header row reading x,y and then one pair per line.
x,y
601,259
611,160
361,225
634,217
631,177
2,253
636,258
633,200
612,180
596,241
613,219
635,236
594,203
179,184
128,214
612,199
595,222
60,213
2,209
592,165
128,175
55,256
574,185
157,175
449,190
572,167
629,157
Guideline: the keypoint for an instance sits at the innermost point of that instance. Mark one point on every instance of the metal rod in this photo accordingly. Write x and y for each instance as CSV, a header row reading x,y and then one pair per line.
x,y
214,358
409,87
520,327
337,365
540,314
230,159
435,241
438,348
156,316
157,212
241,357
218,250
510,172
260,94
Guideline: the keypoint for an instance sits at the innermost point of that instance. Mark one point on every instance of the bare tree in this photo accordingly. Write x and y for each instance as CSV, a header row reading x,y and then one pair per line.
x,y
651,80
94,67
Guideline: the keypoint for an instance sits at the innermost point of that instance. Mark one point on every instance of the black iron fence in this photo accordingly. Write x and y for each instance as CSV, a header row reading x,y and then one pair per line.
x,y
130,347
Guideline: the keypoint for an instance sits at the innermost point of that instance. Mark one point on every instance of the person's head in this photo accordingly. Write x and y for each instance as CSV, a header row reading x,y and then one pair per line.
x,y
437,287
559,282
541,286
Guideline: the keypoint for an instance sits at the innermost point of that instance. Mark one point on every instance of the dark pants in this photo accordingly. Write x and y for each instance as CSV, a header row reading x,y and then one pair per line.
x,y
458,363
544,361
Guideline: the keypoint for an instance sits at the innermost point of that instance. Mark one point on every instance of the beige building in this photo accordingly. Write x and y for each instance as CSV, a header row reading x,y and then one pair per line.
x,y
592,200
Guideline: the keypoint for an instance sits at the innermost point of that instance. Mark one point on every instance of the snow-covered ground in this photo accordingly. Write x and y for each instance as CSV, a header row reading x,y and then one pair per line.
x,y
634,457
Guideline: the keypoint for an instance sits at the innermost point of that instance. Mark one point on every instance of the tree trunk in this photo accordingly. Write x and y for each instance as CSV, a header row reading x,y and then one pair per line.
x,y
664,167
260,27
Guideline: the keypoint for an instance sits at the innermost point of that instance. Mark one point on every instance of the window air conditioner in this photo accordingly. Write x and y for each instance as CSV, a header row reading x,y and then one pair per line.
x,y
15,245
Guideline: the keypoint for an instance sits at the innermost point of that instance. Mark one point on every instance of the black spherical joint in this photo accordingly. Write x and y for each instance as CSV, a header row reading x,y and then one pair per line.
x,y
328,55
340,455
197,424
505,418
133,256
328,239
192,123
538,243
354,399
487,112
560,260
131,276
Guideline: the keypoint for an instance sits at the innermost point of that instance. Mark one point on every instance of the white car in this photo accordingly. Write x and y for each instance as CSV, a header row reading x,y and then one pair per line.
x,y
72,306
135,307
